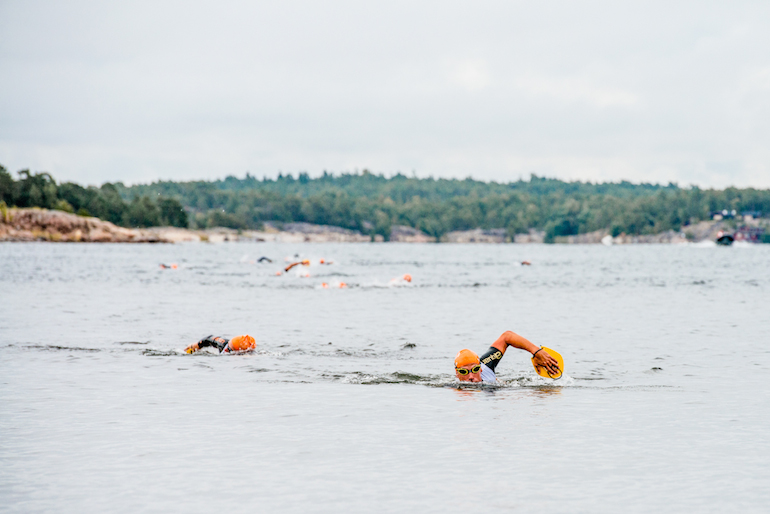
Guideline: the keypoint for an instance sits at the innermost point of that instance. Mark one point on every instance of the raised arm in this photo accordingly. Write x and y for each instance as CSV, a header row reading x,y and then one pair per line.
x,y
216,341
542,358
290,266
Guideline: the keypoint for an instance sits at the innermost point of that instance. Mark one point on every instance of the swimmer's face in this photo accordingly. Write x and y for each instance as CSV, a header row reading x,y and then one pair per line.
x,y
470,376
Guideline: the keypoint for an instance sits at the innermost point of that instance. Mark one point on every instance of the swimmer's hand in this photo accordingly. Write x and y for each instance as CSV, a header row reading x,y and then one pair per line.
x,y
192,348
544,360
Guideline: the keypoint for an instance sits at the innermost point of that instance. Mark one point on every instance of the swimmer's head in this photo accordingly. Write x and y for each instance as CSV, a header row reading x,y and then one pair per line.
x,y
408,277
467,366
242,343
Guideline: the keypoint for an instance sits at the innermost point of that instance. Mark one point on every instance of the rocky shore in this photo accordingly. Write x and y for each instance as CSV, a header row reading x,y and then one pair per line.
x,y
57,226
43,225
699,232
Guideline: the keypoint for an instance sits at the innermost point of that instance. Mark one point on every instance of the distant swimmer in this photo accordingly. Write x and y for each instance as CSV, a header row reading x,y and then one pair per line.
x,y
245,259
403,279
242,343
526,263
340,285
470,368
168,266
304,262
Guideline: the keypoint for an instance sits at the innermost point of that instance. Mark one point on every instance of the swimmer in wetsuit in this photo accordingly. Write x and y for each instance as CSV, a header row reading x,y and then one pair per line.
x,y
242,343
306,262
469,367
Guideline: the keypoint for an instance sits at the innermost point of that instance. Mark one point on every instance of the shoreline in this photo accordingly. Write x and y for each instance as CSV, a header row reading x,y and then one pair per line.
x,y
34,224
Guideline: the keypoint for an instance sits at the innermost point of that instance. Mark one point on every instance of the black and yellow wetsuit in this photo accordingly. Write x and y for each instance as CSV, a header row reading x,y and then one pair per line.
x,y
489,362
220,343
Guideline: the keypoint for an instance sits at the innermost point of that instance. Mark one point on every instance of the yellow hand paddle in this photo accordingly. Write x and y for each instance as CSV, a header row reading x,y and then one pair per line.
x,y
543,372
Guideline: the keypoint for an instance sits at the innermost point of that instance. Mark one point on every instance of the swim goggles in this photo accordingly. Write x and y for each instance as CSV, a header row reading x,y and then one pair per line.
x,y
465,371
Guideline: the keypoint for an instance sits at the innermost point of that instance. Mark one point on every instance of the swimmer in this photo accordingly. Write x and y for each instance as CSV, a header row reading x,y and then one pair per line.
x,y
237,344
168,266
303,263
341,285
245,260
402,280
470,368
526,263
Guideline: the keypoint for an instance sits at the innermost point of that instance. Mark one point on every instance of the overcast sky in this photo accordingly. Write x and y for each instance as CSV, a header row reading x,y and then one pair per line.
x,y
140,91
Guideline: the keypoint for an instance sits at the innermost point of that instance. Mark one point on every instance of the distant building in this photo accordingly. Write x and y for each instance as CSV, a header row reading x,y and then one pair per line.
x,y
724,214
750,234
750,215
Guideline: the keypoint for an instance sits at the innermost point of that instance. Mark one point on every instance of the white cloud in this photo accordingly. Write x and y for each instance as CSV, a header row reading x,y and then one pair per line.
x,y
472,75
595,90
575,89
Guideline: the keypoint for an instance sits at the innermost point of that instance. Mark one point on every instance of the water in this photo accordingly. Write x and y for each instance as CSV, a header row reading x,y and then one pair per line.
x,y
350,402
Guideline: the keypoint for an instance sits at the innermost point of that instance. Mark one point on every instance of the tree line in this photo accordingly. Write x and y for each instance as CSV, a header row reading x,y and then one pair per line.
x,y
105,202
372,203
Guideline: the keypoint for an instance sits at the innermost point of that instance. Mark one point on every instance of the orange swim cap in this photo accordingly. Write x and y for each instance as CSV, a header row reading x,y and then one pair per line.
x,y
242,343
408,277
465,357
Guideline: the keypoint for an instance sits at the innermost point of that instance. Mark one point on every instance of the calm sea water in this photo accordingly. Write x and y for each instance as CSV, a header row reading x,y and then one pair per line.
x,y
350,402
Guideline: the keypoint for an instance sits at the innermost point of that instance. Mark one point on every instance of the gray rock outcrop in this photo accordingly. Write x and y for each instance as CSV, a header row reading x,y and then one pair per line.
x,y
58,226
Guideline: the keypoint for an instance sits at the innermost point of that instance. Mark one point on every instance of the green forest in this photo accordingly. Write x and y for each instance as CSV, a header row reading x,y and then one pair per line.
x,y
105,202
373,203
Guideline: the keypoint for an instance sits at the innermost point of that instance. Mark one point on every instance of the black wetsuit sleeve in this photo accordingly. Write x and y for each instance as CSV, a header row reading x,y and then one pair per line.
x,y
218,342
491,358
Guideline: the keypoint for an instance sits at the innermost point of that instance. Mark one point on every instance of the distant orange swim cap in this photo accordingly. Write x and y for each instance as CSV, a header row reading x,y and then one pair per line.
x,y
408,277
465,357
242,343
